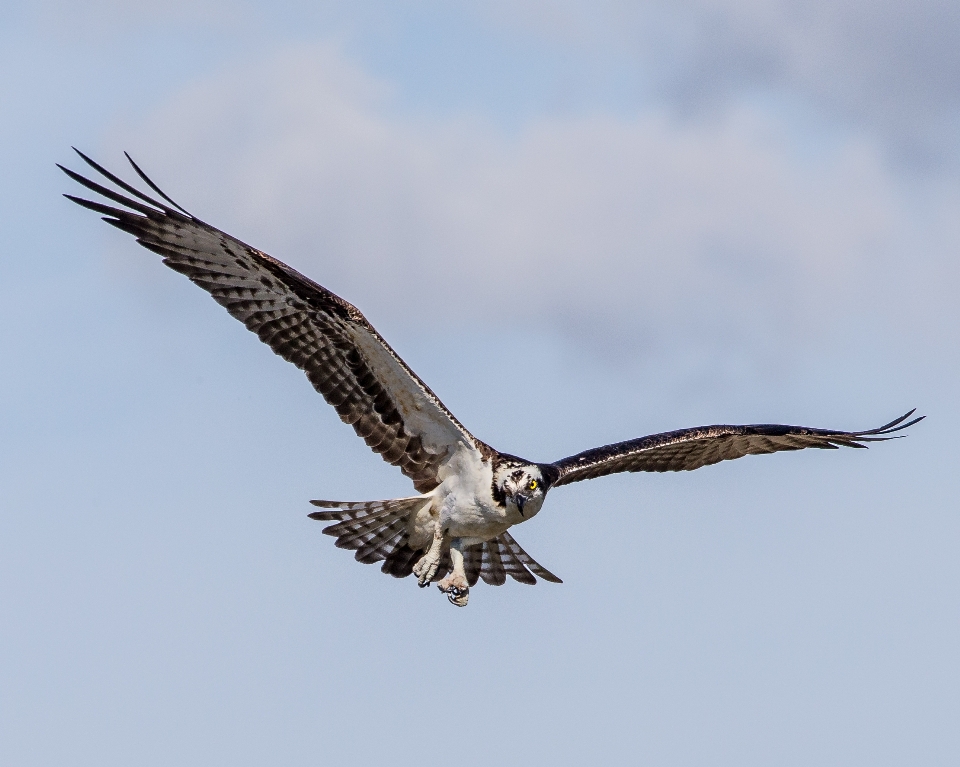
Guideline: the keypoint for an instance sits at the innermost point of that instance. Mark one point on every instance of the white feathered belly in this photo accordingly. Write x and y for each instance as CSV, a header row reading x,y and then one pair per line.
x,y
463,504
468,518
473,521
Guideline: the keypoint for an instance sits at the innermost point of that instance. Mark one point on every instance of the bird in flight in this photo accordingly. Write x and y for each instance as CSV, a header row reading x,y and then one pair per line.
x,y
456,529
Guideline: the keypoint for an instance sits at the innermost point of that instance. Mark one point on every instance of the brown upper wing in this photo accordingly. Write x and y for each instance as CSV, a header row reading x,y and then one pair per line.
x,y
689,449
345,359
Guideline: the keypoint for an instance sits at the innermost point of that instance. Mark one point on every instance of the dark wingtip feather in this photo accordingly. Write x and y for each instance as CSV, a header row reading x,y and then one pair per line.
x,y
97,207
146,210
153,186
897,424
83,157
911,423
132,189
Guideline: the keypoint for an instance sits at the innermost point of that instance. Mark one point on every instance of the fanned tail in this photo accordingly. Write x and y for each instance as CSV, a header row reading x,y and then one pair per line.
x,y
376,530
380,530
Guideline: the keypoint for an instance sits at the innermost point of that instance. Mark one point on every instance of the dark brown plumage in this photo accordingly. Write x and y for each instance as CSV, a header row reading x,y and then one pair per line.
x,y
688,449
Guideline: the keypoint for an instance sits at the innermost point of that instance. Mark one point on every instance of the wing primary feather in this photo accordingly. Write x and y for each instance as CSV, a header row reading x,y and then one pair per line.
x,y
124,185
888,428
109,193
153,186
98,207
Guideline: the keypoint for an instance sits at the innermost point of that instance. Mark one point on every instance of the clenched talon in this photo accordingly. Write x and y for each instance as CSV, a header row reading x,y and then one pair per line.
x,y
459,597
456,589
425,569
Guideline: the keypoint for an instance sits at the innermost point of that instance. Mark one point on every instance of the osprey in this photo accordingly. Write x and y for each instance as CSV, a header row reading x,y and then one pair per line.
x,y
456,529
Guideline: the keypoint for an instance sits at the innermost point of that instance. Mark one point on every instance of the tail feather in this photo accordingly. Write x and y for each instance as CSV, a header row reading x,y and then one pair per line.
x,y
399,563
520,558
380,530
375,529
379,543
350,530
472,562
491,568
494,560
359,509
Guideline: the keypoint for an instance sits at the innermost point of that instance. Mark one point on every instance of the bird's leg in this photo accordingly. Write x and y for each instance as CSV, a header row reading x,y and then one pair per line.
x,y
427,566
455,584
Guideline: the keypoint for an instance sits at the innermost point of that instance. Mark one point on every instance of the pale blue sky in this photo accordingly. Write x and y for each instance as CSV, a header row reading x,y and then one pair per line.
x,y
579,222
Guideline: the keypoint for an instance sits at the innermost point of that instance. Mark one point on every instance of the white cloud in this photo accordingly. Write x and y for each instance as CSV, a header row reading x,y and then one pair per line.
x,y
724,232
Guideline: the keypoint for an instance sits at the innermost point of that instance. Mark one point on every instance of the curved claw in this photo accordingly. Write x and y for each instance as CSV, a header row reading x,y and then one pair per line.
x,y
457,596
456,588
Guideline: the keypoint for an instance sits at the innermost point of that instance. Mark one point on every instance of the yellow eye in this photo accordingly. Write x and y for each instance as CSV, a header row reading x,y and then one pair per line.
x,y
532,485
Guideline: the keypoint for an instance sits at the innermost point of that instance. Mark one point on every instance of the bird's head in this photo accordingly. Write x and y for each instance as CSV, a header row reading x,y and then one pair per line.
x,y
521,487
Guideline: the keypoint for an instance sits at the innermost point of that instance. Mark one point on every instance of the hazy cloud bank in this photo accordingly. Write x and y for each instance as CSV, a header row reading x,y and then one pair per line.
x,y
640,230
885,68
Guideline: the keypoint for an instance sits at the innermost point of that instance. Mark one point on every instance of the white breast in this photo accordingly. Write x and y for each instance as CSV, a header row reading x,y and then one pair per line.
x,y
465,499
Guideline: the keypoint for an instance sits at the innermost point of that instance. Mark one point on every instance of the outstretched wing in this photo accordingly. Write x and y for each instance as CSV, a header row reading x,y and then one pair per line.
x,y
345,359
689,449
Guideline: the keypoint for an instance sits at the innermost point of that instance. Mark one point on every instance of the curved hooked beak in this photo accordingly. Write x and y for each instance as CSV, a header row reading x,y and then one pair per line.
x,y
520,499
